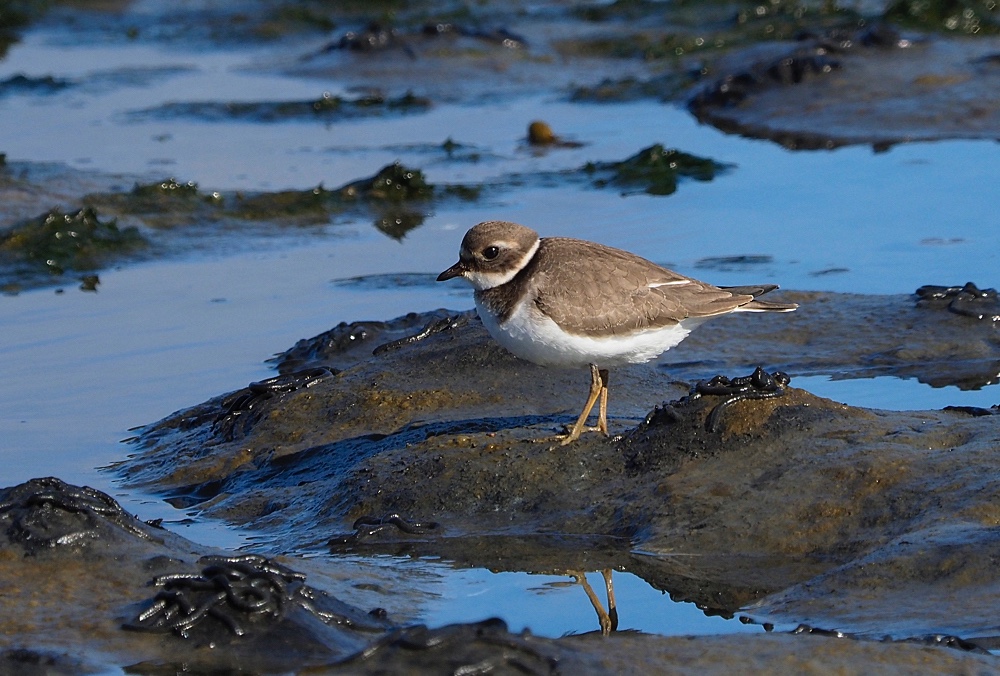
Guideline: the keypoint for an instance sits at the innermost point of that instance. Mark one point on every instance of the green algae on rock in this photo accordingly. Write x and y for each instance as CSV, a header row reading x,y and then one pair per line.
x,y
655,170
170,187
163,205
688,28
313,204
977,17
393,183
58,241
166,196
385,192
170,202
397,198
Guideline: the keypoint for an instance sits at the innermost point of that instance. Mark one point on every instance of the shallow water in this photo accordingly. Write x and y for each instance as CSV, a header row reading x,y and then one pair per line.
x,y
79,369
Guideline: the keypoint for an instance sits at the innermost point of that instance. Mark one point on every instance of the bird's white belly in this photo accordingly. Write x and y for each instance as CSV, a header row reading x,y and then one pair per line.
x,y
532,336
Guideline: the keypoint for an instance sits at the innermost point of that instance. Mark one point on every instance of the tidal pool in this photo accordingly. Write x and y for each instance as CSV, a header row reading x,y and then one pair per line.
x,y
79,369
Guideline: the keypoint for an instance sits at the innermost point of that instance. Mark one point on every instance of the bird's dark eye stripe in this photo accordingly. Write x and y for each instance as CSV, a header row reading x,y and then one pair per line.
x,y
491,252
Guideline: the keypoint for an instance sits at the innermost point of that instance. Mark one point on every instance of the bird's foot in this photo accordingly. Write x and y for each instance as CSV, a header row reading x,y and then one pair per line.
x,y
598,390
573,434
569,436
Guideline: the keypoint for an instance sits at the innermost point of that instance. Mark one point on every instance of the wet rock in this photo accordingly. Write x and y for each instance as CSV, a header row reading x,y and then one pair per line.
x,y
968,300
244,408
749,488
487,646
45,514
28,662
366,527
853,336
78,585
934,580
375,400
347,344
76,567
378,38
484,645
819,93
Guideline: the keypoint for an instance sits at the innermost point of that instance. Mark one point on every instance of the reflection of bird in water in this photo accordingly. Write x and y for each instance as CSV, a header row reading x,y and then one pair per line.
x,y
607,618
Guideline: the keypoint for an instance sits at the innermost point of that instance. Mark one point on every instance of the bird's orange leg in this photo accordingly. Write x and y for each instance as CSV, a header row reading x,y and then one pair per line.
x,y
602,420
598,389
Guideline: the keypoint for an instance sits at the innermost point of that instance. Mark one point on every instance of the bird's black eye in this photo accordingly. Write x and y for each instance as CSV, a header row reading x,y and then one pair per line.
x,y
491,252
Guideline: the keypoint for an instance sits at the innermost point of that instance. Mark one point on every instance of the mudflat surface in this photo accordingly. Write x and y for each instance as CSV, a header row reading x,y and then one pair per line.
x,y
784,493
379,133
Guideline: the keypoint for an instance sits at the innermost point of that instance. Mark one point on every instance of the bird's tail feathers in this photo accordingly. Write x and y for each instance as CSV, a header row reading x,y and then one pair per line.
x,y
759,305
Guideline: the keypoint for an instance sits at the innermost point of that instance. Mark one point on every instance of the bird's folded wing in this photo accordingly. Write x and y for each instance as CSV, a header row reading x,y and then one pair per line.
x,y
612,292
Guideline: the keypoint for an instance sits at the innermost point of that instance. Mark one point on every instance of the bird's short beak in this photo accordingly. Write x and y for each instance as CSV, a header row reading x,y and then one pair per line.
x,y
456,270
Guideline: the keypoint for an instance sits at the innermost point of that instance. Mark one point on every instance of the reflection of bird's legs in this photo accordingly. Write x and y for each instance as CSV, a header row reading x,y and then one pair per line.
x,y
612,604
598,388
608,622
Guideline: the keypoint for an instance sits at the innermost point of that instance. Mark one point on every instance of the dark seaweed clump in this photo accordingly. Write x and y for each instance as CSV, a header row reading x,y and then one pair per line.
x,y
328,107
22,84
58,241
655,170
15,15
